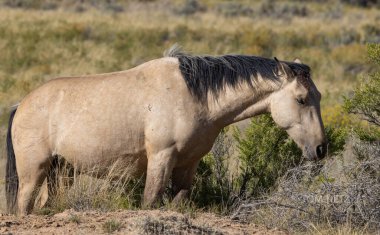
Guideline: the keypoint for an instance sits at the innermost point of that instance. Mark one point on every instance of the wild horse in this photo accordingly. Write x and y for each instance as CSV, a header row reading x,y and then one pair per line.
x,y
160,117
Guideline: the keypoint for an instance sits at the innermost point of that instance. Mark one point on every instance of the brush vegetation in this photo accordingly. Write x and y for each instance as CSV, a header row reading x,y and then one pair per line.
x,y
255,173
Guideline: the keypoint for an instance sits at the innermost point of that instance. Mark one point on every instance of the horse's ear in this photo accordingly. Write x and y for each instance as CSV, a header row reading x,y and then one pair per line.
x,y
298,61
284,69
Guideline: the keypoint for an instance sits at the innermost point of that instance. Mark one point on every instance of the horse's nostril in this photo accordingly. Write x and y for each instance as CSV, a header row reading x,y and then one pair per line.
x,y
320,151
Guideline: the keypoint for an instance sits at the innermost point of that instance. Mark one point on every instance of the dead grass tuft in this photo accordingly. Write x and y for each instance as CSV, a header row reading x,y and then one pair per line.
x,y
111,226
114,190
173,225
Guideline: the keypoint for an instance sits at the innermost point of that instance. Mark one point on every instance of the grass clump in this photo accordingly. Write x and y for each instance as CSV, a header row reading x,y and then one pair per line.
x,y
173,225
46,211
111,226
75,219
114,190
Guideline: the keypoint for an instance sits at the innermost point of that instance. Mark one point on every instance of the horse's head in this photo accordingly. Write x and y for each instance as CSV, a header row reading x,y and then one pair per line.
x,y
296,108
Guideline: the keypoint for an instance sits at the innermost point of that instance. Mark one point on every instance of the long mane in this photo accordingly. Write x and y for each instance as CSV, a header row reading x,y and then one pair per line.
x,y
211,74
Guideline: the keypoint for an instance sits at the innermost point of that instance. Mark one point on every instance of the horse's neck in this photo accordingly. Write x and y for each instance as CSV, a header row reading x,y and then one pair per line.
x,y
236,104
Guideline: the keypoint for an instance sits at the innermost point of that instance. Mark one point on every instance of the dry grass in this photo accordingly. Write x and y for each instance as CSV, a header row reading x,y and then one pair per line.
x,y
81,192
336,230
342,195
111,226
173,225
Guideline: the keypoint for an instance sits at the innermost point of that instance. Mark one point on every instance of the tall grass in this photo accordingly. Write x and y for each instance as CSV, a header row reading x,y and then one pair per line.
x,y
94,189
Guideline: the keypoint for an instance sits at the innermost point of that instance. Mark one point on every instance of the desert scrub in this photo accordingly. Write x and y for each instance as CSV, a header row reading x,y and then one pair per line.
x,y
173,225
75,219
213,186
190,7
345,191
366,100
232,9
264,153
111,226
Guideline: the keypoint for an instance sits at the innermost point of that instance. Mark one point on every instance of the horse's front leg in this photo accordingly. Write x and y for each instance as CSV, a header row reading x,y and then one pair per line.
x,y
159,170
182,181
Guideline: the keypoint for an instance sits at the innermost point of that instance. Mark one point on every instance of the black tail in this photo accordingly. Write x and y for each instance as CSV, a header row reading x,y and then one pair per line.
x,y
11,177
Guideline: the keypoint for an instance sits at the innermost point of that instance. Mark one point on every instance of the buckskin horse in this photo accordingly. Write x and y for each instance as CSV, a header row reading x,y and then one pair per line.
x,y
158,118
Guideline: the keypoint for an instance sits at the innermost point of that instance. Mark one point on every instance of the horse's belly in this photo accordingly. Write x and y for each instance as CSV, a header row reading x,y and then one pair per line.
x,y
133,164
96,151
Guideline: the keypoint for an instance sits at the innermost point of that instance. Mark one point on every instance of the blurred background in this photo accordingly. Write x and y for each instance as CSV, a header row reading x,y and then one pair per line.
x,y
43,39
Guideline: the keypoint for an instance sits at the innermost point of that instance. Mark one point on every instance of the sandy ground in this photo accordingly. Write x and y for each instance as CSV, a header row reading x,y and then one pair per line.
x,y
127,222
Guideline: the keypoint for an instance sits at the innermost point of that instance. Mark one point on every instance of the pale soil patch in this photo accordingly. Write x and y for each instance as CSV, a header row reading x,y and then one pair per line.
x,y
127,222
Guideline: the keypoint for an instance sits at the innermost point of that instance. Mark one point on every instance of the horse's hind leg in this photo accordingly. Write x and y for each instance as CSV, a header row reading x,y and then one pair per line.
x,y
32,167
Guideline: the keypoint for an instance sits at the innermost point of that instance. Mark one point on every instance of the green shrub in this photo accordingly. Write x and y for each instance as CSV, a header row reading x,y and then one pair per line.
x,y
362,3
336,137
366,100
233,9
214,185
265,152
190,7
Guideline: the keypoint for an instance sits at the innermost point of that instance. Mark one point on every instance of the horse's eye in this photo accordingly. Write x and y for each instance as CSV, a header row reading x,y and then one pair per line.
x,y
300,101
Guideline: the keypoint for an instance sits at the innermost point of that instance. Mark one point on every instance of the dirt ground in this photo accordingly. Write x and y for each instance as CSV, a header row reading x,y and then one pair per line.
x,y
127,222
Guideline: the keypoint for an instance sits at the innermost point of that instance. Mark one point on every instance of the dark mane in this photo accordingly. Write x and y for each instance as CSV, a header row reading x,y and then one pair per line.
x,y
204,74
